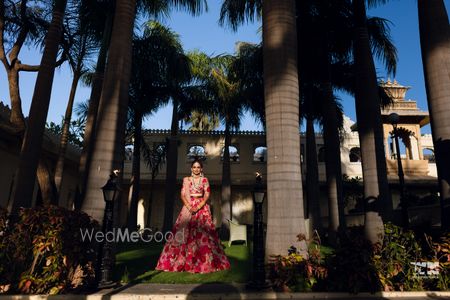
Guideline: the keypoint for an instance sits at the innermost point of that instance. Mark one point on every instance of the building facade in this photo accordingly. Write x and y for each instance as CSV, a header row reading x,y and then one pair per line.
x,y
248,155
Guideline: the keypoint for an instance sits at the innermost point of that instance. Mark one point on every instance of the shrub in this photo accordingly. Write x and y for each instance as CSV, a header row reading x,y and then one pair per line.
x,y
43,251
439,252
350,266
393,260
358,266
294,272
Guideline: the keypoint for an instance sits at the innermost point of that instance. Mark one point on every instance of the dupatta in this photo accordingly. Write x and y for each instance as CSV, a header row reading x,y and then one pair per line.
x,y
184,217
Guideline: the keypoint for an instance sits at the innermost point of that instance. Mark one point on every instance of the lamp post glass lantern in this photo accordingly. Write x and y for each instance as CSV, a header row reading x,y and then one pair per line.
x,y
258,281
394,120
106,259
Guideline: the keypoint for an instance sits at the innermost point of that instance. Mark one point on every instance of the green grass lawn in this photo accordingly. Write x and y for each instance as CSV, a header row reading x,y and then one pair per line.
x,y
136,262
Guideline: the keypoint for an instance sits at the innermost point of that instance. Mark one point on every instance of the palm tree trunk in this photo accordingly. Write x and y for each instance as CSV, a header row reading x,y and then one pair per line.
x,y
148,211
312,177
135,182
89,132
59,170
333,166
171,173
369,125
108,146
435,45
284,183
225,202
32,143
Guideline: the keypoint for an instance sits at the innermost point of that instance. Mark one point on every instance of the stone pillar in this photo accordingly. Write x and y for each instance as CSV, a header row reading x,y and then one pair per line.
x,y
414,147
419,142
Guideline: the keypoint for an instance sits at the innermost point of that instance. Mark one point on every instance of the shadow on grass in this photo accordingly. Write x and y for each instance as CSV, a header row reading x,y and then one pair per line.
x,y
136,262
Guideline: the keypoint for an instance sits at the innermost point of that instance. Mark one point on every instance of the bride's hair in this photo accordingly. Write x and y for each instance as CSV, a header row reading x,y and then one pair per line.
x,y
197,161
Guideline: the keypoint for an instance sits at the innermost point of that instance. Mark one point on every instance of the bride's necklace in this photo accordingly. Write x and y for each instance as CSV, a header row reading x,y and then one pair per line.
x,y
194,184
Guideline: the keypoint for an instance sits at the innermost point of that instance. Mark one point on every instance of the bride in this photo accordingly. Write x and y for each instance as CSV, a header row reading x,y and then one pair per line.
x,y
200,250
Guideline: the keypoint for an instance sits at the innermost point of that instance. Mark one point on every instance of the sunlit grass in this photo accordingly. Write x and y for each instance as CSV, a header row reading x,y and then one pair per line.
x,y
136,262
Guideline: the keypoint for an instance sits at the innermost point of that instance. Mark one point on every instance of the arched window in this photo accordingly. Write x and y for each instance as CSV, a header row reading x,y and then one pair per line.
x,y
321,154
355,154
234,153
260,154
428,154
196,152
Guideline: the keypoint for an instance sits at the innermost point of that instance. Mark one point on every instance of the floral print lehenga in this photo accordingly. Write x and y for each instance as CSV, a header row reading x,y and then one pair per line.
x,y
195,246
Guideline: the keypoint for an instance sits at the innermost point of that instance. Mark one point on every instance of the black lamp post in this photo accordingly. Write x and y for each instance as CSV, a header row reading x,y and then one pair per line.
x,y
106,261
259,281
394,119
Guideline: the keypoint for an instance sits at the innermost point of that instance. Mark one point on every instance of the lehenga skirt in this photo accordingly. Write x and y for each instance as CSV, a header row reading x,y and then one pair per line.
x,y
194,245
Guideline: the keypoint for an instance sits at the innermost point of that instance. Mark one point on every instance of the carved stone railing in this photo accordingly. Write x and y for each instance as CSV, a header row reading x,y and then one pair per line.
x,y
410,167
209,132
409,105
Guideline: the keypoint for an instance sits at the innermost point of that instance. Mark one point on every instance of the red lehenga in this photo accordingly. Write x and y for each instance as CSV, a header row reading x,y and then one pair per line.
x,y
200,250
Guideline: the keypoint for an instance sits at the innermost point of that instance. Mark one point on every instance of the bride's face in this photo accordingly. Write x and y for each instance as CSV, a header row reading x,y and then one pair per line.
x,y
196,169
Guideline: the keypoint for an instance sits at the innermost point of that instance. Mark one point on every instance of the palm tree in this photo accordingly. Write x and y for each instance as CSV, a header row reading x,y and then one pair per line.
x,y
161,50
435,45
31,147
112,112
369,126
233,84
315,67
100,19
284,183
339,19
202,121
155,158
106,153
82,46
230,107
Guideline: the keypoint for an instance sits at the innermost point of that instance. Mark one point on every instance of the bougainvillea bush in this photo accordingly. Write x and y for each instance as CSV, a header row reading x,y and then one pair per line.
x,y
42,251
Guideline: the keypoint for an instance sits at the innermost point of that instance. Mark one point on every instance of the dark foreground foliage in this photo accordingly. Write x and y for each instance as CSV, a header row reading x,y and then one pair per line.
x,y
355,265
42,252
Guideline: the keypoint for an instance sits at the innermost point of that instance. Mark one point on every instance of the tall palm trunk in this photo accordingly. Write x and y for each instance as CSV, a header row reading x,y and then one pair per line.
x,y
32,143
369,125
109,142
284,183
135,182
171,173
225,202
94,100
435,45
148,211
312,177
59,170
336,214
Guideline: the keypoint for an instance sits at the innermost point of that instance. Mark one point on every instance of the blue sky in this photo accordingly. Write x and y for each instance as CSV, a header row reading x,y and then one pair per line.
x,y
204,33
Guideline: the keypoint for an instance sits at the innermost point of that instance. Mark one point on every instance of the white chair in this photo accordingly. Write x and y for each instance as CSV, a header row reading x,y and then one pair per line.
x,y
238,232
